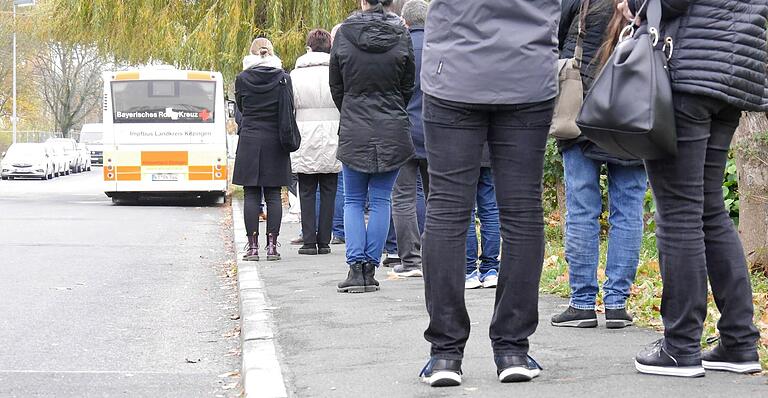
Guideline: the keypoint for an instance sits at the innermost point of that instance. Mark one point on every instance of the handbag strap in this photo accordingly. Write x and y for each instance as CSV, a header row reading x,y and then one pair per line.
x,y
578,53
653,15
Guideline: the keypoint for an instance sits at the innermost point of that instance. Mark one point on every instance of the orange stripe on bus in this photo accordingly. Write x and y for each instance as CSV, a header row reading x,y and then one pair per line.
x,y
164,158
127,76
200,176
129,177
128,169
199,76
109,175
201,169
220,174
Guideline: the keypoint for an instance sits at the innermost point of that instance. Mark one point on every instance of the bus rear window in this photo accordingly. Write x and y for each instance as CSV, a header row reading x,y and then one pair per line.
x,y
163,101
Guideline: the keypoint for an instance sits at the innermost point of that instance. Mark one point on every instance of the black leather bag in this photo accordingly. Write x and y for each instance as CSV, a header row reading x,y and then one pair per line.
x,y
629,110
290,136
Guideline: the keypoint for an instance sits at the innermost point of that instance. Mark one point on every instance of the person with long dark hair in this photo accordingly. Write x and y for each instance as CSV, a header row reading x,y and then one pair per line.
x,y
261,165
583,162
718,69
372,79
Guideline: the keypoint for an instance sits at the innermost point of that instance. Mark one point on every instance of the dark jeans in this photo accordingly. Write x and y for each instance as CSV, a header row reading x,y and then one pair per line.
x,y
695,236
455,136
490,239
405,199
252,207
316,226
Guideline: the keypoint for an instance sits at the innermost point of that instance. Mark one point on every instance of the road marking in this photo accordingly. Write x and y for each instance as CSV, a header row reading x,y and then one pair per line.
x,y
261,372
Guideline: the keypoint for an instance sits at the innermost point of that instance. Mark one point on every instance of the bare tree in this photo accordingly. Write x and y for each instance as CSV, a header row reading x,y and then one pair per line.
x,y
69,81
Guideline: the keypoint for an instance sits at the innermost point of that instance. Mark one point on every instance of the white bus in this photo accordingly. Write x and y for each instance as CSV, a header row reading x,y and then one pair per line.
x,y
164,133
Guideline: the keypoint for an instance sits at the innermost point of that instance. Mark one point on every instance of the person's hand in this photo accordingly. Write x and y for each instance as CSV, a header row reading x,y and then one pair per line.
x,y
623,7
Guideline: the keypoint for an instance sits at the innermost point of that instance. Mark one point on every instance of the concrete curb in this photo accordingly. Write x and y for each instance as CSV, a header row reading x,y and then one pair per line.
x,y
261,373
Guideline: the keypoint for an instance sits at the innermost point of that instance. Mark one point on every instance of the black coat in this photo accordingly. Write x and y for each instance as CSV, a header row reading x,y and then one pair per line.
x,y
596,23
372,79
720,49
261,160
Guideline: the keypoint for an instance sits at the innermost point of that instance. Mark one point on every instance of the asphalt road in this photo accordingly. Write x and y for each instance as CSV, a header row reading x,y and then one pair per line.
x,y
103,300
372,345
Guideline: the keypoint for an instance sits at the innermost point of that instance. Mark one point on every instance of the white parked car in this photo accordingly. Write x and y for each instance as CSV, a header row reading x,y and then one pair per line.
x,y
92,135
85,157
60,160
70,152
27,160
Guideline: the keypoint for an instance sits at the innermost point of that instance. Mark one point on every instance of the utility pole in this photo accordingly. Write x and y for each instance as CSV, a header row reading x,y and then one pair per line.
x,y
15,119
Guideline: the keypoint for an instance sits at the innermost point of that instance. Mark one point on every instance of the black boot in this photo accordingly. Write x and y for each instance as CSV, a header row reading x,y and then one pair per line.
x,y
272,254
369,271
252,250
308,249
355,282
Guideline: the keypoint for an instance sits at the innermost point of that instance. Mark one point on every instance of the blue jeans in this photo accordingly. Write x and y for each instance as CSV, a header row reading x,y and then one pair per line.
x,y
366,243
338,211
390,246
490,235
626,191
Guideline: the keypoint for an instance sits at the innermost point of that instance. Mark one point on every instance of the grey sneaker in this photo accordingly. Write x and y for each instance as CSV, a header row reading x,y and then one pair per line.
x,y
575,318
408,271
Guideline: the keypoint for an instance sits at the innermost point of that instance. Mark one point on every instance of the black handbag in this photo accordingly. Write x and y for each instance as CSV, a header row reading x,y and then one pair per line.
x,y
629,110
290,136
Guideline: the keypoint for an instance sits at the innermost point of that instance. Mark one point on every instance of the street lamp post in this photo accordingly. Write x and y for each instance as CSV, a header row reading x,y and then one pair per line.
x,y
16,3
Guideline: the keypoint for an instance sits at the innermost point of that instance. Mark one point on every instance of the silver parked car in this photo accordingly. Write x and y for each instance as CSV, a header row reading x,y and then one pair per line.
x,y
85,157
27,160
69,146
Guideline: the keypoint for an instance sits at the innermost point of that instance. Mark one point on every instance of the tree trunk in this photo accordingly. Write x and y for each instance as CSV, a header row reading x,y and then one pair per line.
x,y
560,190
751,150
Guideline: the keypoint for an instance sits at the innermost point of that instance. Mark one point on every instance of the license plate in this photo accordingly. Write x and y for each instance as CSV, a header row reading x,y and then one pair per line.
x,y
165,177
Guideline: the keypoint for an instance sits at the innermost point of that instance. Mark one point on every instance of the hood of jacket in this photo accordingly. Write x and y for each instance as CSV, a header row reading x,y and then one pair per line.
x,y
262,79
313,59
374,31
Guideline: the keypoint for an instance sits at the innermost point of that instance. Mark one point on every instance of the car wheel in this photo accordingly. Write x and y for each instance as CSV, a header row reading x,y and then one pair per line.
x,y
4,178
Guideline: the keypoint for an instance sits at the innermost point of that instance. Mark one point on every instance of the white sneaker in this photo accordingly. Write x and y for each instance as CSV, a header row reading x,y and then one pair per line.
x,y
472,280
490,278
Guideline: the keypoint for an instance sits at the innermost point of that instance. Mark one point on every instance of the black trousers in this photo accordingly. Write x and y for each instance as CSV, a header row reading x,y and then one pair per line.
x,y
316,229
252,208
695,235
455,136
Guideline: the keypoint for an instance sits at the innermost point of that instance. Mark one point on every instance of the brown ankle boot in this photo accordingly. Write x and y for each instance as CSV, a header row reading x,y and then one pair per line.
x,y
252,250
272,254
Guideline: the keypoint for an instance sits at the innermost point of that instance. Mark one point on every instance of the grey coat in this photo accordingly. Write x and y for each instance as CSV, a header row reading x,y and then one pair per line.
x,y
720,49
491,51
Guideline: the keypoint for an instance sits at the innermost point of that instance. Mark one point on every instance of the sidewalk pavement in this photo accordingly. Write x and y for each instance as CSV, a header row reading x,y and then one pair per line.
x,y
371,345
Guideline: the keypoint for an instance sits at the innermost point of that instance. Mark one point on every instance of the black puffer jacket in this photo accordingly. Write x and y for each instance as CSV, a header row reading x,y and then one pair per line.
x,y
598,16
372,75
720,49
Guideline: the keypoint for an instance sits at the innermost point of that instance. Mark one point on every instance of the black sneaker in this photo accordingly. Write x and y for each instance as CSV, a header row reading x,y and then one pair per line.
x,y
390,260
355,282
516,368
618,318
719,358
575,318
654,359
441,372
407,271
308,249
323,249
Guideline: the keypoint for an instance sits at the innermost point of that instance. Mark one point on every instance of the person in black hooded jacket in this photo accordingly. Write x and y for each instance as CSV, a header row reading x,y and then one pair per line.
x,y
718,69
262,165
372,79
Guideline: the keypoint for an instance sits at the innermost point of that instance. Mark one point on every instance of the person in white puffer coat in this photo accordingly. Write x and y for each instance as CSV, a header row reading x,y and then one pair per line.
x,y
315,162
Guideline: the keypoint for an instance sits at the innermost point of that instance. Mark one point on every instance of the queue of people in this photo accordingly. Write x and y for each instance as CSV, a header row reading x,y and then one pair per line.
x,y
393,104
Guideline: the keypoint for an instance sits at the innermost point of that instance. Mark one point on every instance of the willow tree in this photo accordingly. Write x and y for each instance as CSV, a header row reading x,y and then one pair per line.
x,y
202,34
